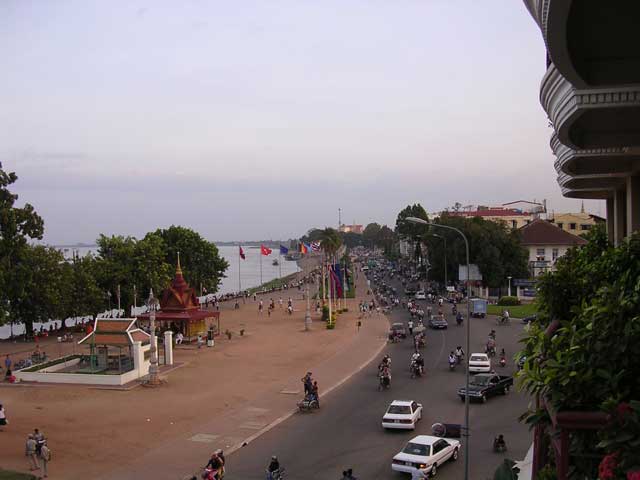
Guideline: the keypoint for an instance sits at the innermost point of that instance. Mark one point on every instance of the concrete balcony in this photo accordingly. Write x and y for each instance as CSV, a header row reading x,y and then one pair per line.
x,y
594,161
594,118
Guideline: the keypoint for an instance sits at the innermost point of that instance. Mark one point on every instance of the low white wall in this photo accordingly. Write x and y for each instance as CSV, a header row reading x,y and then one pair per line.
x,y
60,366
78,378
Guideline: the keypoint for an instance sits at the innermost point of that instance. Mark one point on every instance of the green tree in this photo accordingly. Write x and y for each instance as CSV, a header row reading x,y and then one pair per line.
x,y
39,290
330,241
408,229
81,293
17,226
201,262
371,234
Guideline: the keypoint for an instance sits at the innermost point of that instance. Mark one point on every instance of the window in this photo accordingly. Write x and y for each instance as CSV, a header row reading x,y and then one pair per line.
x,y
528,222
572,226
560,225
585,227
540,253
399,410
554,254
514,224
417,449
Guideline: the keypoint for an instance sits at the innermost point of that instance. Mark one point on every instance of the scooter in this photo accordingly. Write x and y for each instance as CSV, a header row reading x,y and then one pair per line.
x,y
503,361
452,364
385,382
459,319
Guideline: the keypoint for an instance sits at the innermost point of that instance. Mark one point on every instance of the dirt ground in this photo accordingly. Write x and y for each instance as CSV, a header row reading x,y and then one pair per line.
x,y
90,430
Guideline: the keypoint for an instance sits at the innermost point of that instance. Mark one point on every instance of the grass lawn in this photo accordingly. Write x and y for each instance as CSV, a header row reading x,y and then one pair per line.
x,y
9,475
275,283
517,311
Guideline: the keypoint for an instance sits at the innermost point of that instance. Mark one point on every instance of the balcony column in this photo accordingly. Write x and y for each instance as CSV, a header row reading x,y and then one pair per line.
x,y
633,204
619,216
610,219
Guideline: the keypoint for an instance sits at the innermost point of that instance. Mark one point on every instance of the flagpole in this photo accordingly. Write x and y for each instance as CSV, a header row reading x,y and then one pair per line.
x,y
280,264
239,276
260,266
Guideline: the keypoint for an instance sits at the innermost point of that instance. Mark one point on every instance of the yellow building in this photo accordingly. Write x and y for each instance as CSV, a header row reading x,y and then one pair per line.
x,y
575,223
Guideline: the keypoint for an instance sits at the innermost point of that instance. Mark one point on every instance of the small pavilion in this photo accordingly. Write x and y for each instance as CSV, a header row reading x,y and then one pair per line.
x,y
111,343
180,310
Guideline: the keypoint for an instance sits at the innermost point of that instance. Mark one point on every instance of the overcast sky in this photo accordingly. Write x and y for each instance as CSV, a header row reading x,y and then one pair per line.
x,y
259,119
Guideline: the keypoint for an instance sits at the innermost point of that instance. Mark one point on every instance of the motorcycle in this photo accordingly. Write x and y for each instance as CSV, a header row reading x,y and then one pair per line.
x,y
490,350
276,474
503,361
452,364
384,383
308,404
459,319
416,369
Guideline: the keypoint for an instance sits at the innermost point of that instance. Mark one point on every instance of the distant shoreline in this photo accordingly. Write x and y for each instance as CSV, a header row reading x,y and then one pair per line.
x,y
234,243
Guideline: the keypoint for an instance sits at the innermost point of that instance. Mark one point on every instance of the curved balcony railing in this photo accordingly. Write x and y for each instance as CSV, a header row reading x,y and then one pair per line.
x,y
564,103
569,160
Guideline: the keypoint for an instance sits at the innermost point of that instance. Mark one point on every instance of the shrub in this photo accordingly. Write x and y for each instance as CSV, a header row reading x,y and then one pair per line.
x,y
508,301
331,325
325,313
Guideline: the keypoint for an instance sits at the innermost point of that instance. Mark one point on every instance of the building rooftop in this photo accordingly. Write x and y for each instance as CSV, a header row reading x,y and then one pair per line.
x,y
541,232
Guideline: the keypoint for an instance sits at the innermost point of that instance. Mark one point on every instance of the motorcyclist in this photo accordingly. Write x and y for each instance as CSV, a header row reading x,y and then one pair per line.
x,y
499,445
273,468
459,318
386,360
492,334
491,346
214,467
418,361
452,359
459,354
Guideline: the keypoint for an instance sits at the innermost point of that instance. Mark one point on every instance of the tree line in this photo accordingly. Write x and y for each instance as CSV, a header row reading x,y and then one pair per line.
x,y
37,283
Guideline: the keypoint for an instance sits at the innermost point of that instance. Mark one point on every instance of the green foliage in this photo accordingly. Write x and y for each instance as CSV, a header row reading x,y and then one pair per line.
x,y
331,325
330,241
407,229
591,361
325,313
507,301
11,475
518,311
200,260
621,437
495,249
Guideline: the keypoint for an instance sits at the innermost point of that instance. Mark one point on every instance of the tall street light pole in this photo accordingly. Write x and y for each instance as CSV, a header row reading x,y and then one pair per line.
x,y
509,293
466,398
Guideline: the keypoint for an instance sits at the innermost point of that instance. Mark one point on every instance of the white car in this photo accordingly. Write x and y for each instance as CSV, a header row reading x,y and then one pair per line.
x,y
479,363
420,295
402,414
425,453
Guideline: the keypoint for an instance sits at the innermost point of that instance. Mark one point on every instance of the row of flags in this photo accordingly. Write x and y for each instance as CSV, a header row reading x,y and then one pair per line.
x,y
266,251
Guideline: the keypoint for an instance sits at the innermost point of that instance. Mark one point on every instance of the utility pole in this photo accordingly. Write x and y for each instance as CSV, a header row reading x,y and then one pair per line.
x,y
339,218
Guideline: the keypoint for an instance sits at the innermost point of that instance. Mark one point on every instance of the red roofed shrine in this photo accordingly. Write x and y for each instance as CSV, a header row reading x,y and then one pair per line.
x,y
180,310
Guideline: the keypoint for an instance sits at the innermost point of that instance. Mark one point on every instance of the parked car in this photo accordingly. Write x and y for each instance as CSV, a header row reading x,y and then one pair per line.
x,y
485,385
437,322
399,329
479,363
410,289
478,307
420,295
530,318
402,414
425,453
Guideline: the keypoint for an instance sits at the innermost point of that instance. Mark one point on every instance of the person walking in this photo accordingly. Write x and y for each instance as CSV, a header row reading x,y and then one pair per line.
x,y
8,362
30,452
45,456
3,418
260,306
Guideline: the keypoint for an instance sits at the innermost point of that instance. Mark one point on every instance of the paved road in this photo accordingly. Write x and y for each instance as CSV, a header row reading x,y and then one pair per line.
x,y
346,432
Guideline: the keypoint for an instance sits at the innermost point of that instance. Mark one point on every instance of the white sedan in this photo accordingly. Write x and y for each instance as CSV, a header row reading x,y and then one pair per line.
x,y
402,414
479,363
426,454
420,295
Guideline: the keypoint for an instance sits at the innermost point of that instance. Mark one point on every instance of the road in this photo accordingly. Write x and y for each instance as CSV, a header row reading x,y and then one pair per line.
x,y
346,432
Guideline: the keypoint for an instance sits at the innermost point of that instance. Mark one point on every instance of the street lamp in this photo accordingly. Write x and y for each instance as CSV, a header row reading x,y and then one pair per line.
x,y
152,303
445,257
307,315
509,291
466,398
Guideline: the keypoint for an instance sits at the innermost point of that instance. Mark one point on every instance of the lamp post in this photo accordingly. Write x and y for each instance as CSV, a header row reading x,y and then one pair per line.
x,y
307,315
509,291
445,257
468,347
152,303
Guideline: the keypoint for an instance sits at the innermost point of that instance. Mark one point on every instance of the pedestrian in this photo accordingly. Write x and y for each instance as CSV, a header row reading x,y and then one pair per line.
x,y
3,418
410,325
45,456
7,362
280,302
39,438
30,452
260,306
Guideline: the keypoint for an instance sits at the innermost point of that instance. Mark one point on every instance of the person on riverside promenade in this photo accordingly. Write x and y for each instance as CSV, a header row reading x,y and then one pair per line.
x,y
7,362
280,302
308,384
260,307
30,452
3,418
45,456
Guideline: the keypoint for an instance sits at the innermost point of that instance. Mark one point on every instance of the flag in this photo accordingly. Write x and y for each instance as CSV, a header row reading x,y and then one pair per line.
x,y
336,286
265,251
303,248
283,250
308,247
315,246
242,255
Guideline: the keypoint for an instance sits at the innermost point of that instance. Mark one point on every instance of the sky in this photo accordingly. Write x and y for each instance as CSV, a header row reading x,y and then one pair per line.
x,y
260,119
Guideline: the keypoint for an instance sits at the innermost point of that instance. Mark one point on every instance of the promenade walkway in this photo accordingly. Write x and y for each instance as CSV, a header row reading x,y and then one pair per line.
x,y
220,398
